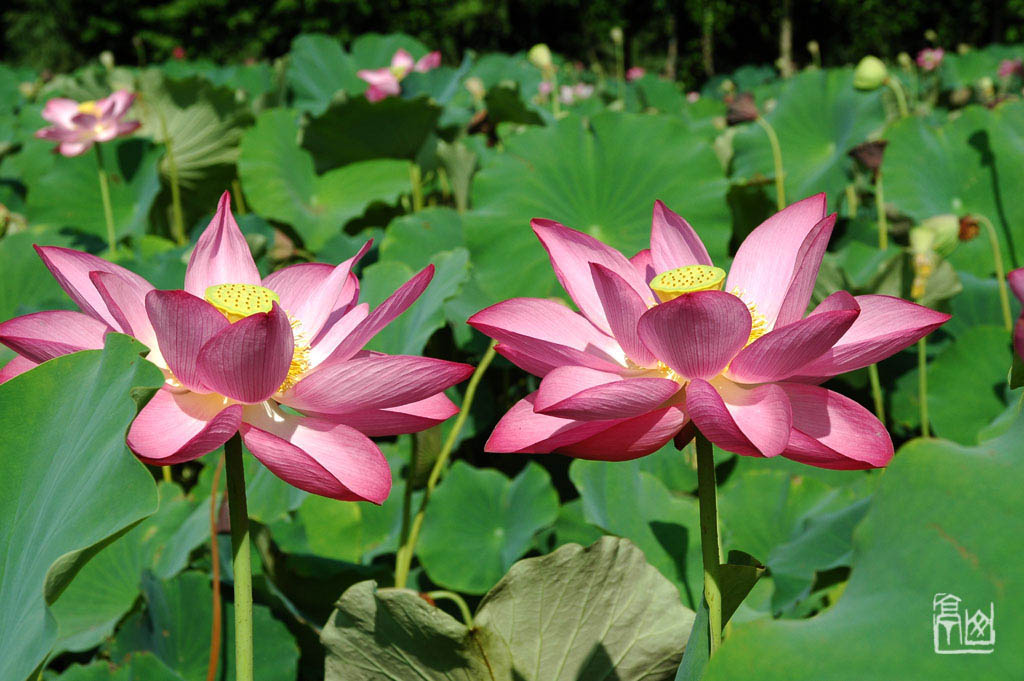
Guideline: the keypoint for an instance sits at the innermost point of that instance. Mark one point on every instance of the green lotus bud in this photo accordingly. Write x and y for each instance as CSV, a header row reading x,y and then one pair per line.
x,y
616,34
814,48
987,87
870,74
921,239
476,88
945,230
905,60
107,59
931,36
540,56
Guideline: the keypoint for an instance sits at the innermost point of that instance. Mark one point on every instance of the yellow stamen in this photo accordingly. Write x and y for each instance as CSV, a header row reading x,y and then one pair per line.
x,y
238,301
674,283
300,358
758,322
88,108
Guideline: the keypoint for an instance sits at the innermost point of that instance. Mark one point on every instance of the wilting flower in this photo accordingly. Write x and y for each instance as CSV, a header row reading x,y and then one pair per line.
x,y
1016,279
665,341
870,155
930,59
635,73
279,359
741,108
1010,67
79,125
385,82
969,228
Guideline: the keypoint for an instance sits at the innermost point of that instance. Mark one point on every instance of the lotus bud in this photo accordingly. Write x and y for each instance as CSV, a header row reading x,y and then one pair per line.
x,y
960,96
616,34
870,74
987,87
28,89
969,228
945,231
107,59
540,56
476,88
931,36
814,48
921,239
727,86
905,61
963,48
741,109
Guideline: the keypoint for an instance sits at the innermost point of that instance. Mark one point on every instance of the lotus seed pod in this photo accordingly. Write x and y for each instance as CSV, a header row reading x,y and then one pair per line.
x,y
870,74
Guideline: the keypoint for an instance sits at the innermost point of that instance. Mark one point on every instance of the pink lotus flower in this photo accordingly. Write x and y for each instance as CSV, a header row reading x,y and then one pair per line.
x,y
234,348
79,125
635,73
1009,67
385,82
930,59
665,341
544,88
1016,279
693,96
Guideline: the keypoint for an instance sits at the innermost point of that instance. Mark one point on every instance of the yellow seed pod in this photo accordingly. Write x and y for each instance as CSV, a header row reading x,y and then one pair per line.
x,y
674,283
238,301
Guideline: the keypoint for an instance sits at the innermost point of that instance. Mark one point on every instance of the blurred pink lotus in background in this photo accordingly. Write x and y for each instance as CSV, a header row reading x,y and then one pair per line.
x,y
692,96
279,359
635,73
79,125
1016,279
1010,67
386,81
664,342
930,58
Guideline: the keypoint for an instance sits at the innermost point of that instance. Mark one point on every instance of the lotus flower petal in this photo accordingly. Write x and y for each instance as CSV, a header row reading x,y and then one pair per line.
x,y
44,335
183,324
221,255
748,420
177,427
588,395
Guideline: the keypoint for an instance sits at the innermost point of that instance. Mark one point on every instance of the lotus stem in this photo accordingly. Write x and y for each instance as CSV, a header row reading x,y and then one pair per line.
x,y
556,106
215,626
901,98
709,538
177,218
241,558
883,223
108,210
416,178
780,177
240,206
166,470
922,385
403,559
620,69
876,392
467,616
997,260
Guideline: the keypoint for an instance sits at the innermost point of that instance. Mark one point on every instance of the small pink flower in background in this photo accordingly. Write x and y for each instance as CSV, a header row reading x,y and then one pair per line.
x,y
234,348
582,90
544,88
635,73
1010,67
664,342
566,94
385,82
1016,280
692,96
929,58
79,125
178,52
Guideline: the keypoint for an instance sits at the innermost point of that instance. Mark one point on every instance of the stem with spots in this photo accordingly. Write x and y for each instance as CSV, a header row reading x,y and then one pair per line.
x,y
241,558
707,496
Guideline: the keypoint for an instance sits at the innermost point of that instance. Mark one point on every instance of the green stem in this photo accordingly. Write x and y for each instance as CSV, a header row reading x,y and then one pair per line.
x,y
883,223
922,385
167,473
467,616
876,392
620,69
241,557
108,210
177,216
416,177
556,106
997,260
780,177
401,565
403,559
709,540
901,99
240,206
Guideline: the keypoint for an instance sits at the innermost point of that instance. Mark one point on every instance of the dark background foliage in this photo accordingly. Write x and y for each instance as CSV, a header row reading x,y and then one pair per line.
x,y
63,34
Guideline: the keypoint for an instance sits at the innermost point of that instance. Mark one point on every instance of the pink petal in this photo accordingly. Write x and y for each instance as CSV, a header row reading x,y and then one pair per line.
x,y
643,263
249,360
116,105
623,309
339,331
571,253
373,382
60,111
1016,280
752,421
885,326
395,304
177,427
183,324
126,303
72,149
316,455
673,241
539,334
313,292
632,438
589,395
383,83
221,255
524,431
697,334
833,431
429,61
780,353
16,367
407,418
402,60
44,335
777,255
71,269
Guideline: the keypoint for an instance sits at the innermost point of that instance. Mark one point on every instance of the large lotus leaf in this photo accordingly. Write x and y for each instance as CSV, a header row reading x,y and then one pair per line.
x,y
578,613
269,498
624,500
602,179
67,192
175,627
251,79
470,551
413,239
26,285
374,50
939,524
280,182
819,117
497,68
318,68
200,122
965,70
67,484
358,129
138,667
969,165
